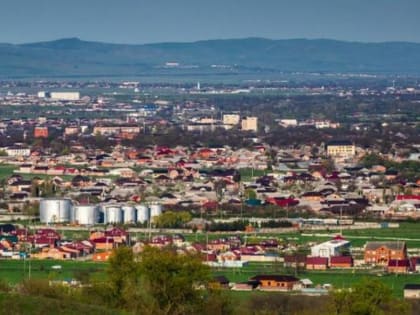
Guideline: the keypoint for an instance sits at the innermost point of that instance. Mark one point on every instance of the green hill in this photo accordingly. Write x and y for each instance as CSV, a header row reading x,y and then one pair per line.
x,y
75,57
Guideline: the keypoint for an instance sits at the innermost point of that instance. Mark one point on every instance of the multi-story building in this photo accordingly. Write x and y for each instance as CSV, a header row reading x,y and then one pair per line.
x,y
342,148
41,132
250,124
380,253
60,96
114,130
231,119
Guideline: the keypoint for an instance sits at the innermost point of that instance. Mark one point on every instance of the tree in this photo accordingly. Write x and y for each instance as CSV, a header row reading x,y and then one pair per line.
x,y
159,281
368,297
123,275
174,280
170,219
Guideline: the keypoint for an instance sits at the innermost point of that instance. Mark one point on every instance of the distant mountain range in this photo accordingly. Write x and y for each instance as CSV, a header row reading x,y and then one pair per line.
x,y
75,57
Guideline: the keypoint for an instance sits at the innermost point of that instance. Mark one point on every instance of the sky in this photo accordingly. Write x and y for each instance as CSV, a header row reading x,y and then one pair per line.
x,y
151,21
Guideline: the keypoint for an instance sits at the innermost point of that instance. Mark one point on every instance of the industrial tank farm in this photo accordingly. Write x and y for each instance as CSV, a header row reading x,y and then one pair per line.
x,y
55,210
63,210
85,214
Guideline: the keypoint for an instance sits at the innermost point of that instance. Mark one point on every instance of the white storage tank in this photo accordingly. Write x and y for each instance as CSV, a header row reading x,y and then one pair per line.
x,y
85,214
143,214
129,213
55,210
113,214
155,210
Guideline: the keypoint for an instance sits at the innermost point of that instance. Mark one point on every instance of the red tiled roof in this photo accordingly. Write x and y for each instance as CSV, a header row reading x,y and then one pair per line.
x,y
398,263
316,260
341,260
103,240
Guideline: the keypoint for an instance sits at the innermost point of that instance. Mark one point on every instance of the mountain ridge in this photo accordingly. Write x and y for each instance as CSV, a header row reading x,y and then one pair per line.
x,y
74,56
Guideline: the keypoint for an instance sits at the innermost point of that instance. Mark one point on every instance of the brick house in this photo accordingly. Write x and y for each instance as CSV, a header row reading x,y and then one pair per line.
x,y
379,253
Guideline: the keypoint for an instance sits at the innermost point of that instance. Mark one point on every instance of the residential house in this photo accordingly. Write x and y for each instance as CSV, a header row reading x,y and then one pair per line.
x,y
341,262
380,253
316,263
295,261
275,282
334,247
52,253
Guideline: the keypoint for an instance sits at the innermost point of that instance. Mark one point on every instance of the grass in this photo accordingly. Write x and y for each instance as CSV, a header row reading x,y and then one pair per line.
x,y
247,174
6,170
14,271
337,278
358,238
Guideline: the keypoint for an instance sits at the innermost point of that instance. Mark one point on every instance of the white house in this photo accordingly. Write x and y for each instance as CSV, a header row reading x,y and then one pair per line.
x,y
328,249
16,151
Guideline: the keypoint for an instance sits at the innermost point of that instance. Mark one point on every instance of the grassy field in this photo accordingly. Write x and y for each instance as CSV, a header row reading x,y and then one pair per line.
x,y
6,170
248,174
14,271
337,278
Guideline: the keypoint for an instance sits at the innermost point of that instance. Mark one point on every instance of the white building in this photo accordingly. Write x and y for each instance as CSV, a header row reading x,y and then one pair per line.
x,y
335,247
65,96
231,119
250,124
288,122
60,96
17,151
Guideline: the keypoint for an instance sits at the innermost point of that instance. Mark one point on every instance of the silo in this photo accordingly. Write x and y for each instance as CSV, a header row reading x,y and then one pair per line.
x,y
129,213
113,214
155,210
86,214
55,210
143,214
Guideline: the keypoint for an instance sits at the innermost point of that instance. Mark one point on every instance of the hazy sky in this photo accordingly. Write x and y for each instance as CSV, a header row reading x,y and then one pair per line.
x,y
146,21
